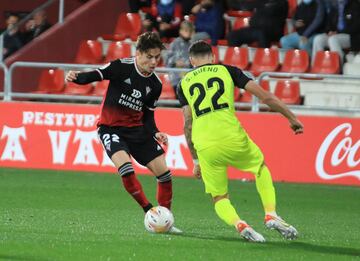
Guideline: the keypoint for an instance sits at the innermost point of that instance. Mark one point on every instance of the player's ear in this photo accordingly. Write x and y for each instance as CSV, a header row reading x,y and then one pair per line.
x,y
192,61
138,53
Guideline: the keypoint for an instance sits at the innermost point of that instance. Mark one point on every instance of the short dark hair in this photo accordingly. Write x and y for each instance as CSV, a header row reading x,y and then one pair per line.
x,y
200,48
149,40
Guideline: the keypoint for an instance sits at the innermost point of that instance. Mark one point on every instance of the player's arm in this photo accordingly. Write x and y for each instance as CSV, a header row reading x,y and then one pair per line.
x,y
188,129
83,77
275,104
149,120
242,81
150,125
103,73
187,132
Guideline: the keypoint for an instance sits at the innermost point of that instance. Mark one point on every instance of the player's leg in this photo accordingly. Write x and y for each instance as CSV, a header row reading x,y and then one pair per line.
x,y
117,150
214,176
250,158
122,161
151,155
266,190
164,180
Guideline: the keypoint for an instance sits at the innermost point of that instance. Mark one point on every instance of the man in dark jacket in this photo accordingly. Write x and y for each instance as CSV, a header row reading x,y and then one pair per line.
x,y
266,25
36,26
308,21
342,30
12,37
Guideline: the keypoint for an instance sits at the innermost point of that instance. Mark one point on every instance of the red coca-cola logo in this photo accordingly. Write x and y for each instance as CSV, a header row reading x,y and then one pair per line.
x,y
339,148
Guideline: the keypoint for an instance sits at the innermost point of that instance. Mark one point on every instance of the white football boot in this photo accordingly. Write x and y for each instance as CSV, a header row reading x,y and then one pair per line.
x,y
174,230
278,224
249,233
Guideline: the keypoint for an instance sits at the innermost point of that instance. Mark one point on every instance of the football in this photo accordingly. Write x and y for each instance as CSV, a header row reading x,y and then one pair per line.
x,y
158,220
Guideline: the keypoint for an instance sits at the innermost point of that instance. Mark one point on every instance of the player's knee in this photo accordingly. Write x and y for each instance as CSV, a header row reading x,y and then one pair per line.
x,y
220,197
165,177
126,169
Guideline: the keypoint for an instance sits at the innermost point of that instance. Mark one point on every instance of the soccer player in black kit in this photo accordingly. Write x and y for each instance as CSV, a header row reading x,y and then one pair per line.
x,y
126,125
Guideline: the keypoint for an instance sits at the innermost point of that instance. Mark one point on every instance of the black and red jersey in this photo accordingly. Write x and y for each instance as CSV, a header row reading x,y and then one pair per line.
x,y
128,95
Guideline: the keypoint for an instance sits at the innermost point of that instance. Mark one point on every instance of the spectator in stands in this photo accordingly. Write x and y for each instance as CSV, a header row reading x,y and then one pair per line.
x,y
167,20
342,29
12,37
243,5
178,55
187,5
136,5
209,19
308,21
36,26
266,25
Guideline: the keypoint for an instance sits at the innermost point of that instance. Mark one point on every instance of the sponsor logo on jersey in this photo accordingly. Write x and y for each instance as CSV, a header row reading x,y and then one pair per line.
x,y
131,102
148,89
136,94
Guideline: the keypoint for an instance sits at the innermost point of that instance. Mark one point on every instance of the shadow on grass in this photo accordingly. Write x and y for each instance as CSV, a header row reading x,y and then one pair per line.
x,y
20,258
335,250
295,245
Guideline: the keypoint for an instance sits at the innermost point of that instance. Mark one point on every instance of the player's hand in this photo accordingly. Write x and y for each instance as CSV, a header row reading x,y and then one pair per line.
x,y
296,126
71,76
197,171
162,138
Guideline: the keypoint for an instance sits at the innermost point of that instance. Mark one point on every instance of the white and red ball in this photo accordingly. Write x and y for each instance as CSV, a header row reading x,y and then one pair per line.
x,y
158,220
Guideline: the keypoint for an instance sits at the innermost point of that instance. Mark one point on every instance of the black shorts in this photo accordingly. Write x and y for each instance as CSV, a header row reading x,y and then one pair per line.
x,y
136,141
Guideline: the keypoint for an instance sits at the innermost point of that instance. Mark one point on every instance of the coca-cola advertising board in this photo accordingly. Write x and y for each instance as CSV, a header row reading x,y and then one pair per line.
x,y
64,137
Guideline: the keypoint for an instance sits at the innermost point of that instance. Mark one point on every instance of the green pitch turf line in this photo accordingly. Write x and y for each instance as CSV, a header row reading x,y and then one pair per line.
x,y
53,215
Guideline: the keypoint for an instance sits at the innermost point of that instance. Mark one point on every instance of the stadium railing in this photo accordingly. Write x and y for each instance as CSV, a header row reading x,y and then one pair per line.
x,y
255,105
6,72
308,76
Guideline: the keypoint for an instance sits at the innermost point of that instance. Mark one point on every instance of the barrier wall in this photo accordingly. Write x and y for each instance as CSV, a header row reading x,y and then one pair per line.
x,y
63,136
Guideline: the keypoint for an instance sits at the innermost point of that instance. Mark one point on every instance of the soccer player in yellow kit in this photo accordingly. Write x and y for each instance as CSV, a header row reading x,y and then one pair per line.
x,y
217,140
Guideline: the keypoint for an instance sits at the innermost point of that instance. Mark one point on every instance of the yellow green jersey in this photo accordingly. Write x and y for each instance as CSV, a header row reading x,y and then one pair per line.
x,y
209,91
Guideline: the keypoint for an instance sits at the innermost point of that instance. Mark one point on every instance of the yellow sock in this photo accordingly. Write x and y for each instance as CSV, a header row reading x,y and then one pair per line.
x,y
265,188
226,211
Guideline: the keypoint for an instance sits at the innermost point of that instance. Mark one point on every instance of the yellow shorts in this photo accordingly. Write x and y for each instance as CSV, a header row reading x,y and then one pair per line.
x,y
240,152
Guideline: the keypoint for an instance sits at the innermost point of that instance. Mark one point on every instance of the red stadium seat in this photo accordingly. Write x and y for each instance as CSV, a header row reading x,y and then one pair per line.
x,y
241,22
77,89
247,96
237,56
100,88
89,52
265,60
295,61
288,91
167,89
326,62
128,26
292,8
215,50
118,50
51,81
239,13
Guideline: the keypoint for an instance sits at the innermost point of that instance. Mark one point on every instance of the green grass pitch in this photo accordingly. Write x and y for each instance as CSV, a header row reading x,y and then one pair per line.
x,y
53,215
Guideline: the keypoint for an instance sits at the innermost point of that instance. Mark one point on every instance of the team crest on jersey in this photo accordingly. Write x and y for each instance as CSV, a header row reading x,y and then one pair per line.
x,y
148,89
136,94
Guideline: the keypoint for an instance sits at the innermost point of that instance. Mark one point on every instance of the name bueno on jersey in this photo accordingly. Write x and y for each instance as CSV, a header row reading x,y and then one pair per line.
x,y
128,94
